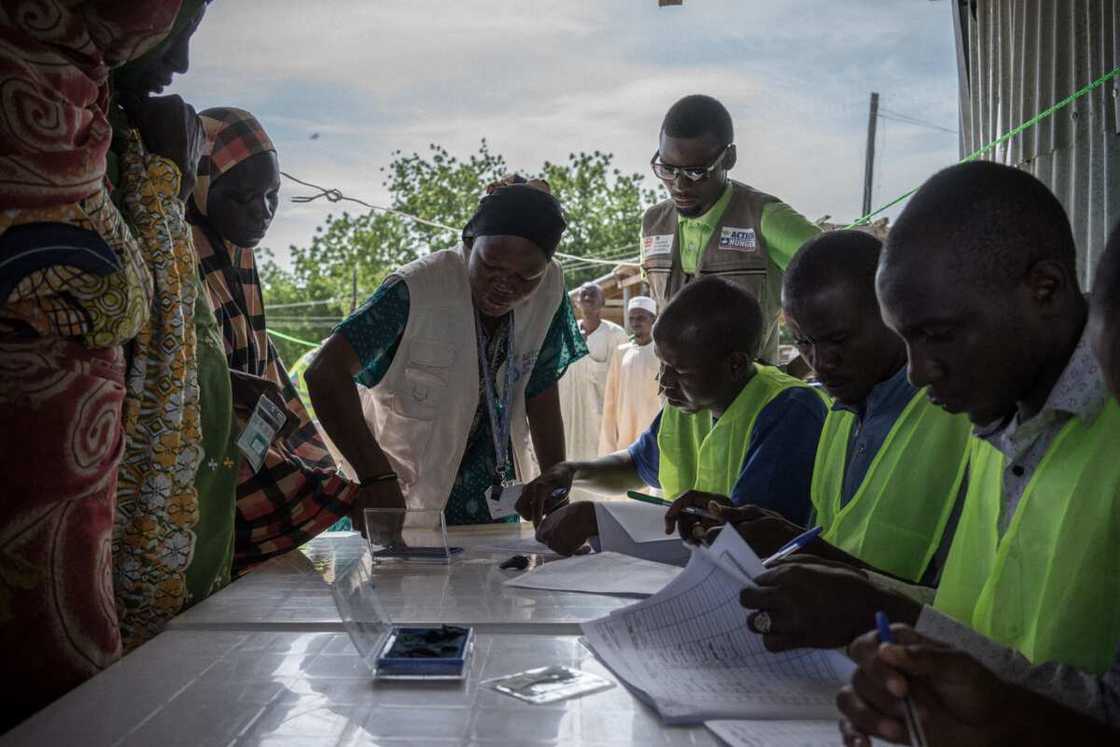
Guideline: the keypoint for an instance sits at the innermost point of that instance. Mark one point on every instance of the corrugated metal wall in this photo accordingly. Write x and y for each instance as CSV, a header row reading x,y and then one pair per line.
x,y
1018,57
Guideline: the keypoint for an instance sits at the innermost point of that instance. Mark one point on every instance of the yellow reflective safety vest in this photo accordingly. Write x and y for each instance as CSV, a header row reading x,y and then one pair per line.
x,y
694,455
1048,587
895,520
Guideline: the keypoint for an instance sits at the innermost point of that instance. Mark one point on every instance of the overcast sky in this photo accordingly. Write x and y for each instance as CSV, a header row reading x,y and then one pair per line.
x,y
543,78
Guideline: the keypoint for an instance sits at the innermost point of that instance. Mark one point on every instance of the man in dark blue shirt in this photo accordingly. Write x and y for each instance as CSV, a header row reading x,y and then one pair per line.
x,y
738,432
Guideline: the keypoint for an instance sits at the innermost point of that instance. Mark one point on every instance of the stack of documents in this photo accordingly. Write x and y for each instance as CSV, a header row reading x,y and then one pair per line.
x,y
778,733
599,573
638,529
688,652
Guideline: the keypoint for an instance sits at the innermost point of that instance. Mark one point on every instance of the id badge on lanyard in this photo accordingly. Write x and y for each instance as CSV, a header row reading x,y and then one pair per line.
x,y
500,498
266,421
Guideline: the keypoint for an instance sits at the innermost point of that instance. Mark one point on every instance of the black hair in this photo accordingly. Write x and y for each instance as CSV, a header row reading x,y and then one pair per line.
x,y
830,258
997,221
698,115
714,314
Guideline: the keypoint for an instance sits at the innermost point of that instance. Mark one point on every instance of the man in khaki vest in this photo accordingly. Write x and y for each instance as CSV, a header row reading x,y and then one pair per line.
x,y
711,225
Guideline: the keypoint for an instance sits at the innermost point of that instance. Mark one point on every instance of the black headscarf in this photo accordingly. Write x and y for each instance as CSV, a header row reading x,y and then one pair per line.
x,y
519,210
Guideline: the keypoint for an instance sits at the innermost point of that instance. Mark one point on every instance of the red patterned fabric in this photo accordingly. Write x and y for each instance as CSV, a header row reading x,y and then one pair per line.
x,y
55,57
60,444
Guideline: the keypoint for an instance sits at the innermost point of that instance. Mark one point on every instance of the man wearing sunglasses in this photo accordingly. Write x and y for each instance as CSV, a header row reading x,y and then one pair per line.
x,y
712,225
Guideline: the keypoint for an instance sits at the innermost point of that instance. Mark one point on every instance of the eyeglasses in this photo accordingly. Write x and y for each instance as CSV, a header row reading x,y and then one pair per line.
x,y
692,173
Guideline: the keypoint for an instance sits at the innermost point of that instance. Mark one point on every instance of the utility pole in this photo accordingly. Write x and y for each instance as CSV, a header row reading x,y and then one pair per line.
x,y
869,167
353,289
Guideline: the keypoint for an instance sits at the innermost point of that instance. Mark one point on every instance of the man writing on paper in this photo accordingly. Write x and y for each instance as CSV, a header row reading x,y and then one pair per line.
x,y
963,701
631,400
711,225
890,463
731,430
979,277
581,388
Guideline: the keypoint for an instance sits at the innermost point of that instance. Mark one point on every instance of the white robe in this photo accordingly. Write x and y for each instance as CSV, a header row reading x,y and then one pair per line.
x,y
630,402
581,391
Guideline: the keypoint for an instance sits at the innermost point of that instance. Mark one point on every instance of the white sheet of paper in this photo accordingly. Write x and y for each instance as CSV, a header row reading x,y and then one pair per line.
x,y
520,546
687,650
506,505
599,573
777,733
638,529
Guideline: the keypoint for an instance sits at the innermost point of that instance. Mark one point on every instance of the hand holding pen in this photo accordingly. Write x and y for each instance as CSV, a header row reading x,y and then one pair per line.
x,y
796,544
692,514
913,722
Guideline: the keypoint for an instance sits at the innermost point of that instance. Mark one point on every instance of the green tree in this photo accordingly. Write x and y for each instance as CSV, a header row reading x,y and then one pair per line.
x,y
604,208
350,254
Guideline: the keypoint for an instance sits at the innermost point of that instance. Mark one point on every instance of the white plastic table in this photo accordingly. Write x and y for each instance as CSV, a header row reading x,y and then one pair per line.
x,y
265,662
311,688
293,591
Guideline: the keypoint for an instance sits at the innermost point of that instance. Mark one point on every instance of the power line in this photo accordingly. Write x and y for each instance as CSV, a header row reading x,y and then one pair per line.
x,y
336,195
614,255
305,303
305,319
885,113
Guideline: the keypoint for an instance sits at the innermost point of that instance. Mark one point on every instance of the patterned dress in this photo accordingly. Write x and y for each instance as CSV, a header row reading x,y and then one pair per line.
x,y
157,503
73,289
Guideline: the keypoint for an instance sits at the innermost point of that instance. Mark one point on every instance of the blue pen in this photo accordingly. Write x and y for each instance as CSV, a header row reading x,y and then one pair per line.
x,y
913,724
792,546
557,499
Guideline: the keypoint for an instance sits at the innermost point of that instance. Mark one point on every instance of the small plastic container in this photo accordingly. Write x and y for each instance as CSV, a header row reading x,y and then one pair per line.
x,y
397,652
400,535
427,653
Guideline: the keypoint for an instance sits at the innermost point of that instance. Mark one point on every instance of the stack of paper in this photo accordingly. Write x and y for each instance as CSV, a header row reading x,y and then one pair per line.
x,y
638,529
688,653
599,573
518,545
778,733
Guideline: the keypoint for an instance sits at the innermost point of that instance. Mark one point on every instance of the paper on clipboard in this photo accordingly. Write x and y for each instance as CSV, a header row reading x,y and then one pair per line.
x,y
638,529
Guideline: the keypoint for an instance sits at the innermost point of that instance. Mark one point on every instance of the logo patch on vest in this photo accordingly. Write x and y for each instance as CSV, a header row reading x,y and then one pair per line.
x,y
738,239
659,244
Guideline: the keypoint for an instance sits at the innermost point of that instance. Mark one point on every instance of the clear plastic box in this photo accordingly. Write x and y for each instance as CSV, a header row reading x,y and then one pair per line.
x,y
400,535
397,652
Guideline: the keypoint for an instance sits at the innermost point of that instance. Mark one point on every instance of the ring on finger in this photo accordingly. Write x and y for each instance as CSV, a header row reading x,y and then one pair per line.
x,y
760,622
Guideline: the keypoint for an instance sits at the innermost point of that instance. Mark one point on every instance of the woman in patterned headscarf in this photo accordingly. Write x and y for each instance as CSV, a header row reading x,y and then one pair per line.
x,y
297,492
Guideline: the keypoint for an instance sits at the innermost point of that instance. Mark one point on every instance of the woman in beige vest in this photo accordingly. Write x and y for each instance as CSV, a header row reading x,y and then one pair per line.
x,y
461,351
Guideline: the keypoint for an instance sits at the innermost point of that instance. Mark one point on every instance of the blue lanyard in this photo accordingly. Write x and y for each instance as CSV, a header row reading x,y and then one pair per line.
x,y
498,409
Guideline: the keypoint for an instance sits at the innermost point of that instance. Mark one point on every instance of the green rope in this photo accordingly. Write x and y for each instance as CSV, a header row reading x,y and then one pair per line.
x,y
1003,138
289,338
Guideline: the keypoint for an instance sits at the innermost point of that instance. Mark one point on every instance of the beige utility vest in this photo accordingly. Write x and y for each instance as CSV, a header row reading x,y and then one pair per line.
x,y
736,251
422,410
